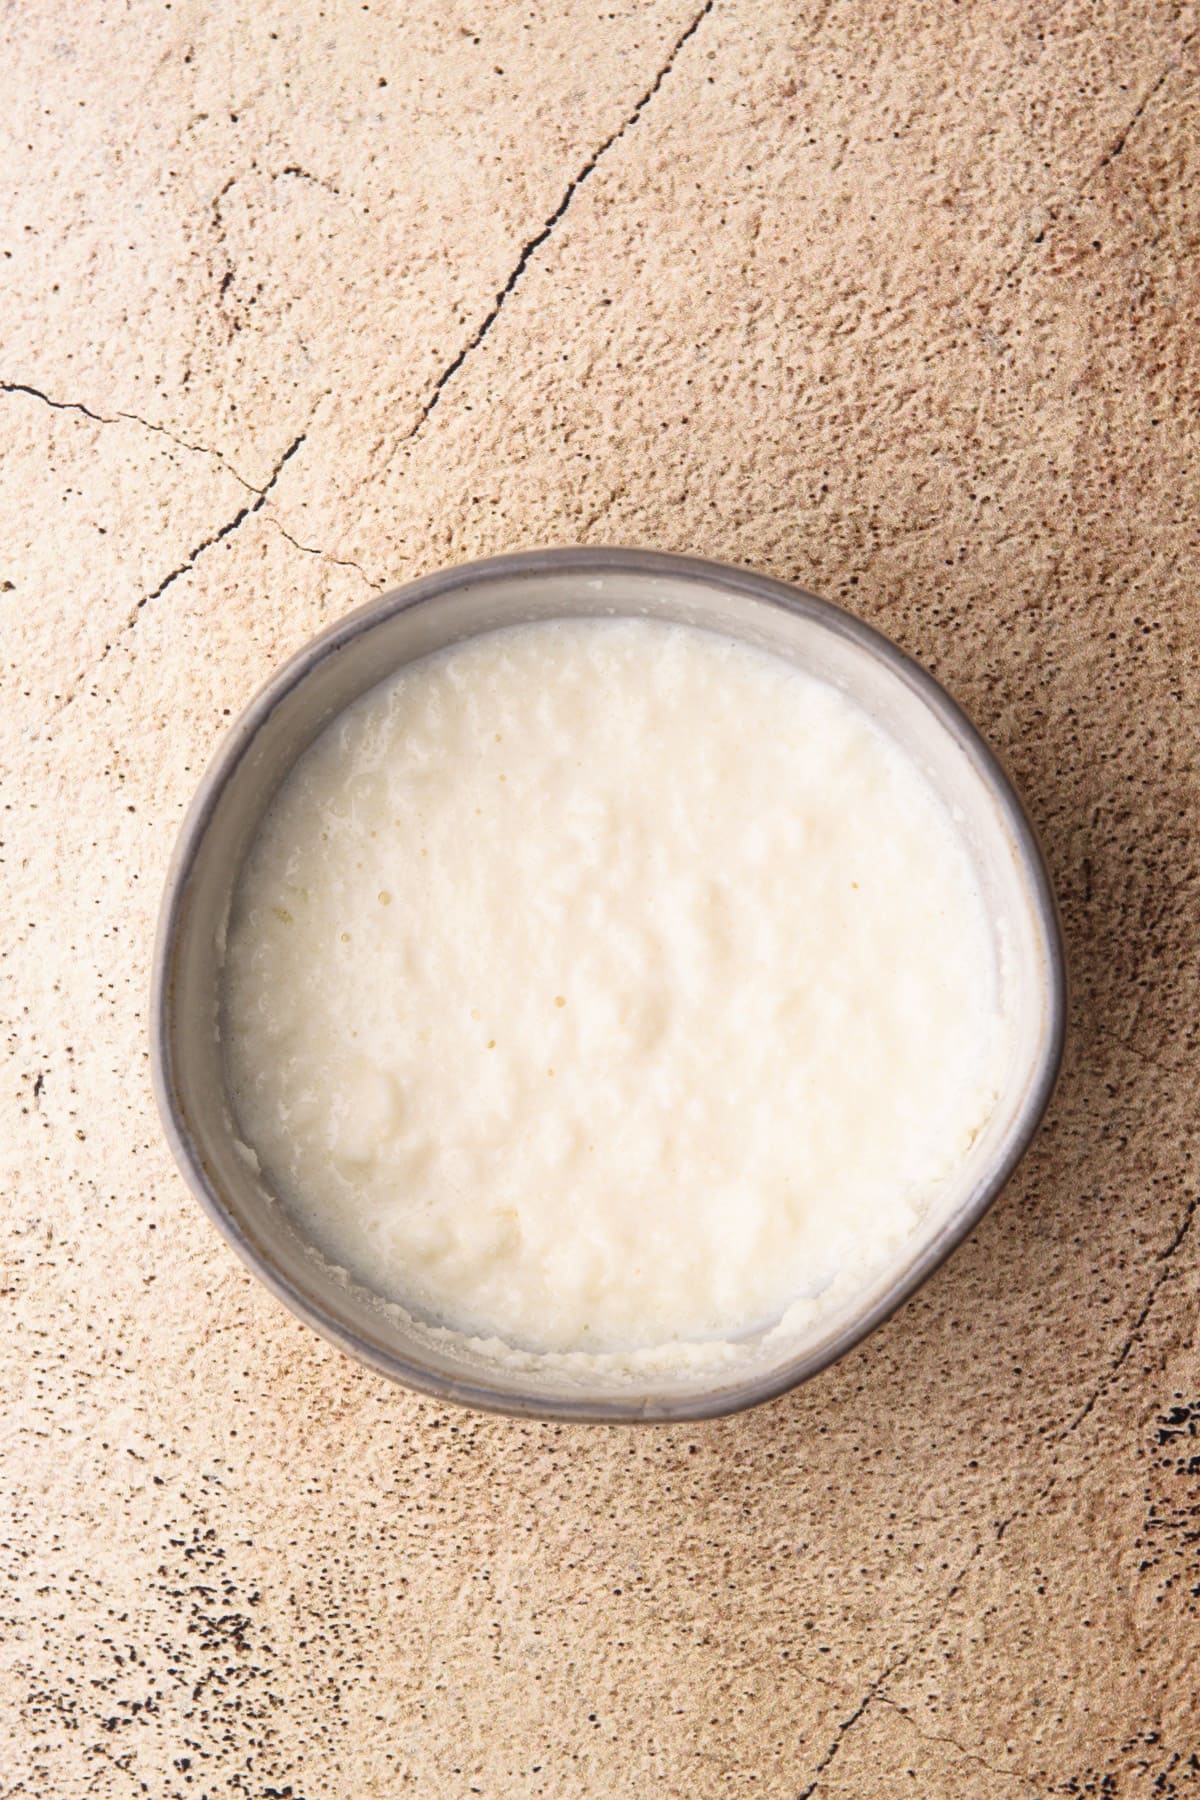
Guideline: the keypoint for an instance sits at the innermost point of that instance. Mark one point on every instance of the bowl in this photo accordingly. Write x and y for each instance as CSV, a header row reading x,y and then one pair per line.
x,y
444,608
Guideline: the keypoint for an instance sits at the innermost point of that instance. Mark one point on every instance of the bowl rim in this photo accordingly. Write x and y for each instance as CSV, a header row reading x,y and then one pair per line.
x,y
615,560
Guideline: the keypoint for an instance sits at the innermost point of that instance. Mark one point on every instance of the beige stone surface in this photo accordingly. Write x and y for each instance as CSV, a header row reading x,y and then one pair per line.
x,y
898,300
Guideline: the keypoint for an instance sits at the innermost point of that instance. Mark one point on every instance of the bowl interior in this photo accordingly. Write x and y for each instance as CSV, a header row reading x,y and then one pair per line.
x,y
365,648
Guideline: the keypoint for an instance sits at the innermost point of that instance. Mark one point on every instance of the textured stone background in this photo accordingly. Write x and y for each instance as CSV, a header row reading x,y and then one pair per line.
x,y
898,300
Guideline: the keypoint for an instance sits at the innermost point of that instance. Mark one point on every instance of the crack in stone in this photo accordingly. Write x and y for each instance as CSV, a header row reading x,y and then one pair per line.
x,y
226,530
1164,1269
1106,1380
1110,155
252,506
535,243
23,387
341,562
902,1659
196,449
900,1662
847,1725
938,1737
189,562
1118,144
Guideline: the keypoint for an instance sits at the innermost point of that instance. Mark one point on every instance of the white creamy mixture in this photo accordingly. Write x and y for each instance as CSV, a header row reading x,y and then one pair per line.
x,y
601,984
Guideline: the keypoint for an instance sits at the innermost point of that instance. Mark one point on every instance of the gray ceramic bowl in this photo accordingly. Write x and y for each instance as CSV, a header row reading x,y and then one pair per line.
x,y
363,648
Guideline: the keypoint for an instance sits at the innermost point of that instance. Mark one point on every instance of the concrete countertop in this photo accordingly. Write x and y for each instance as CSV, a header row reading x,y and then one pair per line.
x,y
896,300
